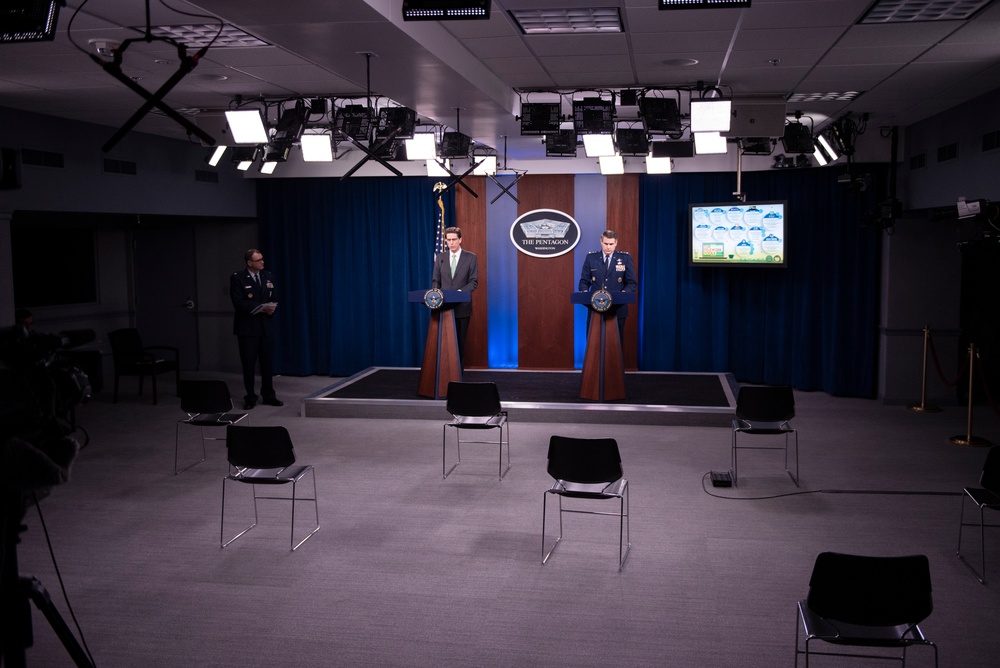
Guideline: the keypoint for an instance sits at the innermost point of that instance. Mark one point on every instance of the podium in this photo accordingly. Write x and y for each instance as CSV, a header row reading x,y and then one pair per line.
x,y
603,365
441,363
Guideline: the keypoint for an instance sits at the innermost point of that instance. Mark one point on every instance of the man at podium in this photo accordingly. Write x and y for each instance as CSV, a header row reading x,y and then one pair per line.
x,y
457,269
611,270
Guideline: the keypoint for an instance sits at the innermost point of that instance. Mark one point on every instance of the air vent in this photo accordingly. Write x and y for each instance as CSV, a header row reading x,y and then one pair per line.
x,y
991,141
35,158
947,152
206,176
123,167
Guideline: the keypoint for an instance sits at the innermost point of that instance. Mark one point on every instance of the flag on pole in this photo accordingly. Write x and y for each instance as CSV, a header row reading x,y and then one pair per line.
x,y
439,245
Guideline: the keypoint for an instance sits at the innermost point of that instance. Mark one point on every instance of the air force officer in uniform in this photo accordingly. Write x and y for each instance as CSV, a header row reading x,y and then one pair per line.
x,y
254,297
457,269
611,270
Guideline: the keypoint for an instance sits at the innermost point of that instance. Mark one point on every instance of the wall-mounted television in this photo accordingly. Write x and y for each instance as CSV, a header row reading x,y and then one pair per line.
x,y
743,234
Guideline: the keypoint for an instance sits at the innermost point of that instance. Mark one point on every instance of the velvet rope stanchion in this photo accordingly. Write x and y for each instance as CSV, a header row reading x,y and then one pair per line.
x,y
922,407
968,438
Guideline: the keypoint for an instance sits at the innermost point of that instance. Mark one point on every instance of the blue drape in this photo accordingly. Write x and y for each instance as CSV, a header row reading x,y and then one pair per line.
x,y
346,254
812,325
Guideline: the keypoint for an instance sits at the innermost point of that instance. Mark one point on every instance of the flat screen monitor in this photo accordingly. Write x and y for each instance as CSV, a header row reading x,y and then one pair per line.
x,y
743,234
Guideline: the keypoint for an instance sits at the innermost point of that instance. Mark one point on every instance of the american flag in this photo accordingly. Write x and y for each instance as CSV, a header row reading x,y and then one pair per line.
x,y
439,231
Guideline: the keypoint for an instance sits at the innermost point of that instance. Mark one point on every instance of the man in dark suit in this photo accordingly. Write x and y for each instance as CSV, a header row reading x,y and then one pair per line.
x,y
611,270
457,269
255,299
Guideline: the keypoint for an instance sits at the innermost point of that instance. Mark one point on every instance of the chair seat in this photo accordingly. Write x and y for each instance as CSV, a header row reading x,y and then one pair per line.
x,y
843,633
983,497
271,476
215,419
600,490
479,421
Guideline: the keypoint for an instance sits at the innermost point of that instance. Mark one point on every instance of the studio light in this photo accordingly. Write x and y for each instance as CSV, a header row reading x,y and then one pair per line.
x,y
421,146
756,145
660,115
277,152
29,20
561,144
268,166
400,119
354,121
243,156
826,148
290,125
709,143
539,118
593,116
612,164
632,141
658,165
797,138
672,149
703,4
247,126
316,148
598,146
711,115
216,156
445,10
821,159
486,165
435,168
454,145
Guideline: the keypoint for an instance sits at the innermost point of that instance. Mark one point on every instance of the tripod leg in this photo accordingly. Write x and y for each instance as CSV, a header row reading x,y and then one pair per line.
x,y
40,597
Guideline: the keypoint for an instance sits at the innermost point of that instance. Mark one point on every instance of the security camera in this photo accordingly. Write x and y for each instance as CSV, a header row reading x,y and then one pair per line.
x,y
104,47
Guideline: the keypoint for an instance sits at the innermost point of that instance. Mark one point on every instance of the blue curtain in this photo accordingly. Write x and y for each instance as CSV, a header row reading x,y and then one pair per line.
x,y
346,252
812,325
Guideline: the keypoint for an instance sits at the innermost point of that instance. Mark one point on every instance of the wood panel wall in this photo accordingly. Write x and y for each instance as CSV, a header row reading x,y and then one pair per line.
x,y
623,218
470,216
544,312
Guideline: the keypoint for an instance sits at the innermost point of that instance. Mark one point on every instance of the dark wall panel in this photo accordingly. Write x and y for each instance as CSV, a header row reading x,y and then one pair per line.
x,y
623,218
470,216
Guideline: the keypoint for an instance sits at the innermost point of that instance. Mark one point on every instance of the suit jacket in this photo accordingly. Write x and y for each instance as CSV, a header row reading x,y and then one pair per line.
x,y
246,296
620,278
466,277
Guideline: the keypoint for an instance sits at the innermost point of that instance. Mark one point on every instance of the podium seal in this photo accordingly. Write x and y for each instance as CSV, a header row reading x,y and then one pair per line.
x,y
601,301
433,298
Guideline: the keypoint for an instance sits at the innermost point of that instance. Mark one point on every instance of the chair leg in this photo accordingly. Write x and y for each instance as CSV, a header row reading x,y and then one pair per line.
x,y
980,575
445,471
624,530
795,478
546,555
315,500
503,471
204,452
734,463
222,528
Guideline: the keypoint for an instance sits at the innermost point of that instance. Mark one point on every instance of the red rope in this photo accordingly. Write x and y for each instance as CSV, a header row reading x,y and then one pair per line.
x,y
937,365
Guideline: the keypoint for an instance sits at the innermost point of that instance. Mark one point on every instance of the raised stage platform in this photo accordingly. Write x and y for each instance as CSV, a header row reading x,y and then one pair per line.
x,y
693,399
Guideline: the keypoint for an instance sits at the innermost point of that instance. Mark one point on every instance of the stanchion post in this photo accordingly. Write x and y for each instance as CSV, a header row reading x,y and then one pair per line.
x,y
968,438
923,407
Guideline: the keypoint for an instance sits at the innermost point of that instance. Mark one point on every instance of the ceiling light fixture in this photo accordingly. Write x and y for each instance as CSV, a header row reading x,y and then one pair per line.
x,y
598,146
612,164
709,143
632,141
711,115
422,146
703,4
216,156
659,165
29,21
576,21
445,10
593,115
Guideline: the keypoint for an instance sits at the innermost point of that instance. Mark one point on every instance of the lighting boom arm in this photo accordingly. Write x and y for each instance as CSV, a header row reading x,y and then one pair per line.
x,y
188,63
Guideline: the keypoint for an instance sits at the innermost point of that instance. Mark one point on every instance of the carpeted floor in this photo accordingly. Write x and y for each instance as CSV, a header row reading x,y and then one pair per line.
x,y
412,570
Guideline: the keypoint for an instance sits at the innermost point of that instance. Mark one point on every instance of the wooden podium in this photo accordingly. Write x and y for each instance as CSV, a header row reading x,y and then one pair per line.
x,y
441,363
603,365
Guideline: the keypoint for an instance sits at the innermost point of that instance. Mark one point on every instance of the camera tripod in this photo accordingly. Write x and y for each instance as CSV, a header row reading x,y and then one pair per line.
x,y
15,593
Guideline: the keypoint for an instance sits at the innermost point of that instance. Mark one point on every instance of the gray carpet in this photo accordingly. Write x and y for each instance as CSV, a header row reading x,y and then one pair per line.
x,y
412,570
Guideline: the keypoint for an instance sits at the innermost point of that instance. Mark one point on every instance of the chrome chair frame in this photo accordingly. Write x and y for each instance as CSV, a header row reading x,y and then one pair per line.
x,y
984,497
277,468
877,621
207,404
765,411
479,400
588,488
